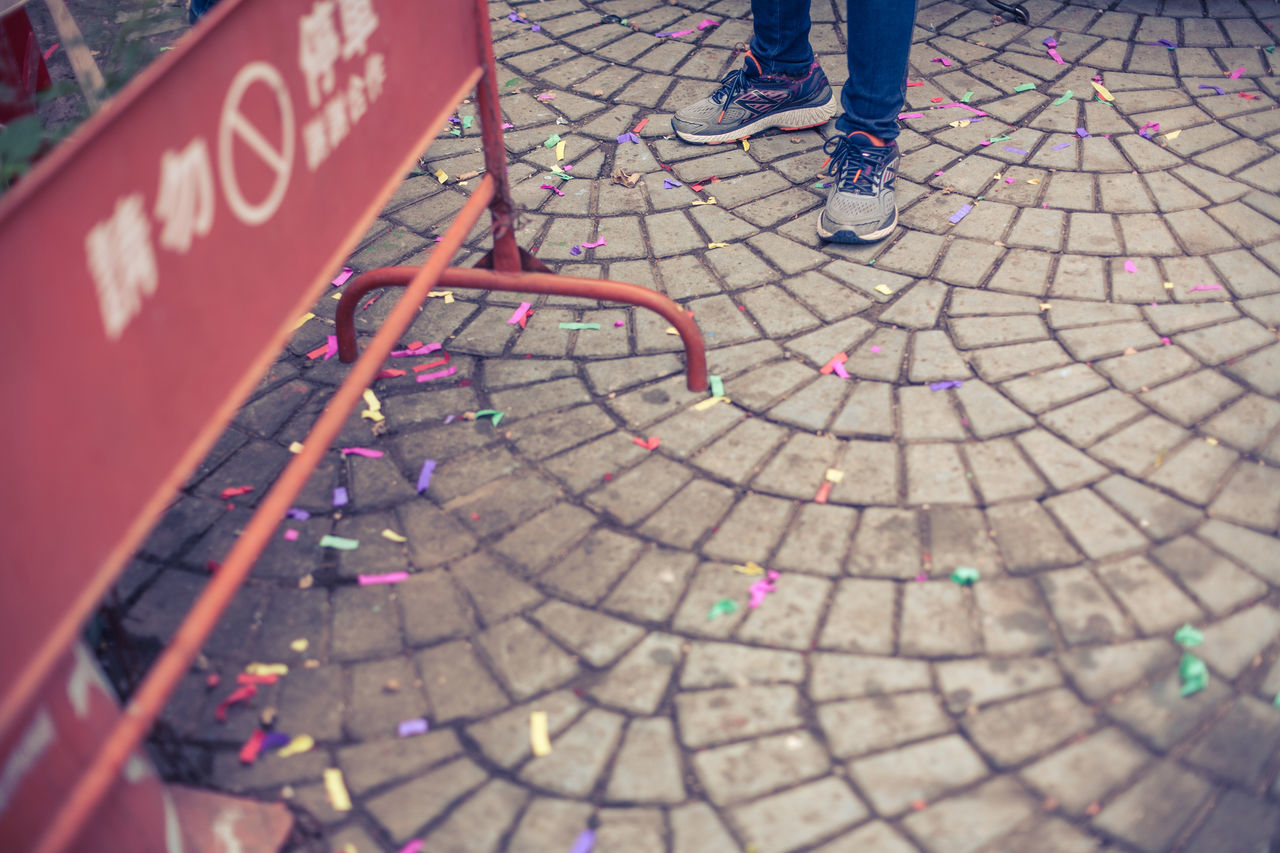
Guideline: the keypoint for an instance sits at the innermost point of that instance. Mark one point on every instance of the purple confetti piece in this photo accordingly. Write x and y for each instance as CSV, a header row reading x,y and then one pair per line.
x,y
1050,42
409,728
1167,43
513,17
944,385
1082,133
1061,145
275,740
448,419
960,214
340,496
298,514
342,277
668,184
661,35
586,840
628,137
1013,150
1147,129
537,28
576,250
424,478
1217,89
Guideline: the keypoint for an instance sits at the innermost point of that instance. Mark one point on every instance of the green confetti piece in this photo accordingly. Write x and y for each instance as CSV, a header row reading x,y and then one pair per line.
x,y
965,576
1194,674
1276,701
513,81
1271,48
723,607
1000,138
1187,636
717,386
1066,96
453,131
490,413
871,263
341,543
624,22
552,141
580,327
1025,87
562,174
467,121
967,96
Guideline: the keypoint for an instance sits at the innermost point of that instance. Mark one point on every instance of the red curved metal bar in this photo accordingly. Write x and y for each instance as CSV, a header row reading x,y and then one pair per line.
x,y
530,282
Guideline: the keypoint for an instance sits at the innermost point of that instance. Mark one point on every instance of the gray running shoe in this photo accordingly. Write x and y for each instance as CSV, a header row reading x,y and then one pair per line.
x,y
861,207
748,102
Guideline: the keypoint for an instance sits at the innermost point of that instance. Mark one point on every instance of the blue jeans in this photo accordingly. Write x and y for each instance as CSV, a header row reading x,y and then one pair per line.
x,y
879,40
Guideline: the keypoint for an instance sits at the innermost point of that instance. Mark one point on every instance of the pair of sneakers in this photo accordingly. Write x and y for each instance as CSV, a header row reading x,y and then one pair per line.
x,y
861,207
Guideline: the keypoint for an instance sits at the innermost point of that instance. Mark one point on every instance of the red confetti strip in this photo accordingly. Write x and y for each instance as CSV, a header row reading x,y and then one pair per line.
x,y
824,492
390,373
639,127
651,444
253,746
234,491
240,694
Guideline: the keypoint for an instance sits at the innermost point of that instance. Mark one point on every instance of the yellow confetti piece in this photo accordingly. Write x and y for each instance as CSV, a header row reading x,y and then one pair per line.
x,y
335,295
441,176
671,330
374,412
1102,91
446,295
1033,180
1173,134
710,200
746,146
302,321
337,790
717,245
539,738
1045,306
834,475
1211,440
267,669
1168,285
300,645
964,122
297,746
295,447
884,288
749,568
393,536
560,150
709,402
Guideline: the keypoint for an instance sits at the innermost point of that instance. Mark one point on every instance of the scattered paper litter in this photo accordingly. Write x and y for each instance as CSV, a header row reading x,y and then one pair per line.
x,y
539,735
960,214
336,788
965,576
723,607
945,384
385,578
388,533
1188,636
409,728
946,63
519,313
1217,89
761,588
339,543
1194,674
1130,266
342,277
1237,74
1066,96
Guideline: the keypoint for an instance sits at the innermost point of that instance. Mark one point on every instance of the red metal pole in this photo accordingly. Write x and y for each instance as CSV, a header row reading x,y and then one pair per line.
x,y
164,675
506,254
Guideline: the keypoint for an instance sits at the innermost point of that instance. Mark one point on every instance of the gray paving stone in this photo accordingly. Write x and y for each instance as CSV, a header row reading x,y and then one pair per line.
x,y
918,307
1061,464
846,676
1014,731
740,771
1150,814
1013,619
1238,822
1239,743
695,827
525,659
1163,718
936,475
817,540
988,413
647,769
402,811
938,620
578,756
887,544
858,619
800,816
1082,608
1086,771
996,364
1142,370
638,682
1157,514
970,820
928,415
496,592
974,683
923,771
859,726
751,530
1085,421
549,821
1029,539
1053,388
1194,471
482,820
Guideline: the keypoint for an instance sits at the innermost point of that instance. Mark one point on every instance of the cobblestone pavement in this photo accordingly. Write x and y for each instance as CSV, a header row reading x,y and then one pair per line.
x,y
1107,459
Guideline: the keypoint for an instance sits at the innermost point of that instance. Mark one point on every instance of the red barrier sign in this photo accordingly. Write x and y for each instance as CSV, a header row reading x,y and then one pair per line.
x,y
154,267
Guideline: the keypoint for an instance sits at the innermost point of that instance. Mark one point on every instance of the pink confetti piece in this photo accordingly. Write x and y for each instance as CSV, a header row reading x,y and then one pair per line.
x,y
409,728
910,115
1056,57
547,96
415,846
366,452
1165,341
1237,74
1207,287
762,588
963,106
707,22
439,374
830,366
1130,266
922,577
291,535
346,273
331,348
340,497
875,349
424,349
1008,180
946,63
838,370
519,313
388,577
960,214
555,190
428,468
1149,128
596,245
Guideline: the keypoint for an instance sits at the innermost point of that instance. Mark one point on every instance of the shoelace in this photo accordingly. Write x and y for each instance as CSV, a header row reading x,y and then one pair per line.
x,y
855,168
731,85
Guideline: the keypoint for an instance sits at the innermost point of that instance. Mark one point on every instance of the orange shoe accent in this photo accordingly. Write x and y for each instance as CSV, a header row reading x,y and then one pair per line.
x,y
875,140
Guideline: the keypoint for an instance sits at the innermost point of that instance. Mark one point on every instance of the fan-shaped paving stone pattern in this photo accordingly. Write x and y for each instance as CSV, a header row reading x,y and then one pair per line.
x,y
1107,457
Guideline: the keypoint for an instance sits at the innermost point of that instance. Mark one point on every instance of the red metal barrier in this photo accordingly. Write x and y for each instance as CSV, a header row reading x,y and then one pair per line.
x,y
179,237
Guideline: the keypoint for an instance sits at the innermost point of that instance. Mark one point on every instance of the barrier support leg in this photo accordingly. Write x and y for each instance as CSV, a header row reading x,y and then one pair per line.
x,y
529,282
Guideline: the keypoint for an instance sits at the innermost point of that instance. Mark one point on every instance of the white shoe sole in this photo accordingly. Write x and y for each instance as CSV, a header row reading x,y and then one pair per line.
x,y
848,235
797,119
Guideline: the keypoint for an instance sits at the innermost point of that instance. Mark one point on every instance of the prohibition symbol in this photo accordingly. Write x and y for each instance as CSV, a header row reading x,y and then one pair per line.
x,y
234,125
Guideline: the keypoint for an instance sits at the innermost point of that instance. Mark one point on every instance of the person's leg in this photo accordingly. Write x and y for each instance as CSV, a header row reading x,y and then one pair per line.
x,y
879,41
779,85
780,37
862,206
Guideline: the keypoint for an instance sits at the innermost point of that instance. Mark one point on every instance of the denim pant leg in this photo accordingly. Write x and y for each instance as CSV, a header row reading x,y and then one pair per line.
x,y
780,42
879,41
